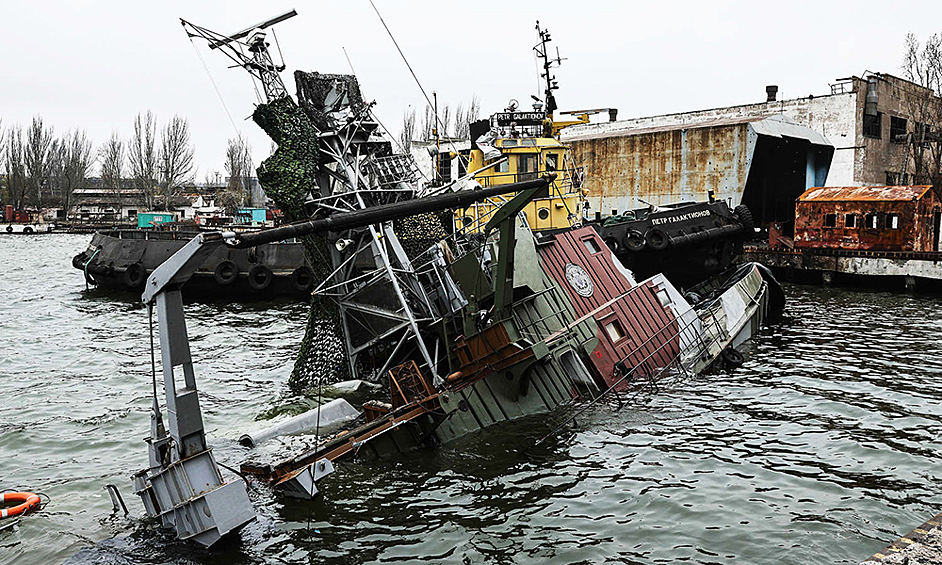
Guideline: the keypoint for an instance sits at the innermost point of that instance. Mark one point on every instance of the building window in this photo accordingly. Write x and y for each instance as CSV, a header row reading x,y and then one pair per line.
x,y
897,129
850,220
444,167
830,220
872,125
463,158
892,222
870,221
615,331
897,179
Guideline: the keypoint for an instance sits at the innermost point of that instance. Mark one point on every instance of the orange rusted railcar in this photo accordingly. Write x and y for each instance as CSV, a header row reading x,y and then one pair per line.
x,y
869,218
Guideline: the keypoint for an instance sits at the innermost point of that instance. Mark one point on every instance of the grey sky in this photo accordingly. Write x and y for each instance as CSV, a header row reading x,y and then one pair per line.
x,y
94,65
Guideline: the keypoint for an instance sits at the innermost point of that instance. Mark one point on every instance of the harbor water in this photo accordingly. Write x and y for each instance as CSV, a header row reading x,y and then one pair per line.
x,y
822,448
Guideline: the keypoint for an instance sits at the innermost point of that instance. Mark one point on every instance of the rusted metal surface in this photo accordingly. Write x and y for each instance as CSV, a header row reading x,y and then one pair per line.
x,y
875,218
634,328
864,193
679,161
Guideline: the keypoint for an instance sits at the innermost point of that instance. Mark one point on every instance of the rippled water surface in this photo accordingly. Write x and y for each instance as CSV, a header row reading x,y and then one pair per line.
x,y
821,449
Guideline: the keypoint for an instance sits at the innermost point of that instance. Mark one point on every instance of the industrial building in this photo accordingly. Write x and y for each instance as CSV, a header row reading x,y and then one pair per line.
x,y
869,130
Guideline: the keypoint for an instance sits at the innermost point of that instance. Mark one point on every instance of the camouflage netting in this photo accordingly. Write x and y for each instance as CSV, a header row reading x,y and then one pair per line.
x,y
287,177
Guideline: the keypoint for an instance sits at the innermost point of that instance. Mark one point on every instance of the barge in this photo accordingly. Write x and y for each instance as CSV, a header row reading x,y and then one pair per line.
x,y
122,259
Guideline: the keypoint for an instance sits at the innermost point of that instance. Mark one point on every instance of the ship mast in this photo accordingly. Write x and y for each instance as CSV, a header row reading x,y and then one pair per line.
x,y
548,64
249,50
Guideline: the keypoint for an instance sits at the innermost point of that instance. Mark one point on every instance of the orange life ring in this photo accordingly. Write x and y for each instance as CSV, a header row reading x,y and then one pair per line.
x,y
28,500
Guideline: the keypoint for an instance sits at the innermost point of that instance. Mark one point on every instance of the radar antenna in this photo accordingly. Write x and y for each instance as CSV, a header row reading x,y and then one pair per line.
x,y
249,50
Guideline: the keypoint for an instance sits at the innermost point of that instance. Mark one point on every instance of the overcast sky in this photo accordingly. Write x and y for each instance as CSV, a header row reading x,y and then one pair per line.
x,y
95,65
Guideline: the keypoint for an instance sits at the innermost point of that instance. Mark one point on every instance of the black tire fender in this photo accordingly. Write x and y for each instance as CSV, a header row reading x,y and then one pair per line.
x,y
9,229
135,275
302,279
656,239
744,214
634,240
225,273
260,277
27,230
732,358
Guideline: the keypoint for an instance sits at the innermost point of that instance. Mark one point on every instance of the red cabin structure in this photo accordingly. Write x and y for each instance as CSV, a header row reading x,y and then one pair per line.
x,y
869,218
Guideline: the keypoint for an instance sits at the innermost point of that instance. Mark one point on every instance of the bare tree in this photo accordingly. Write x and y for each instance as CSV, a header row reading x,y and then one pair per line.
x,y
14,161
427,127
112,160
407,134
444,122
238,167
142,155
175,158
922,65
38,143
76,162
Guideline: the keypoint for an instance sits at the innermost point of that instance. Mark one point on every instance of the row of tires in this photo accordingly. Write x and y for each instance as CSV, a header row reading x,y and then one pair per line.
x,y
657,239
259,277
27,229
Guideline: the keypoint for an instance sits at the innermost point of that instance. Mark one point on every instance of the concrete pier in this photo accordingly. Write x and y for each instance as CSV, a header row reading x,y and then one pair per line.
x,y
902,270
922,546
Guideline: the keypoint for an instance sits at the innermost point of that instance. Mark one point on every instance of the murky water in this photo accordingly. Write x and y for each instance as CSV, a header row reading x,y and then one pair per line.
x,y
821,449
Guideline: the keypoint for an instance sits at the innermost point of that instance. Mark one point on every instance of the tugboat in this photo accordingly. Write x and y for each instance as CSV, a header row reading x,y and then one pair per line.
x,y
466,330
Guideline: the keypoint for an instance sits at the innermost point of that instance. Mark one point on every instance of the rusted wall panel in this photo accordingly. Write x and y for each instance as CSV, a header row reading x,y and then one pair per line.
x,y
663,167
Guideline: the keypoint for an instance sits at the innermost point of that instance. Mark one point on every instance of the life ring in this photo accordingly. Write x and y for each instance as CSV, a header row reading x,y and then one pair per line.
x,y
656,239
302,279
634,240
135,275
259,277
732,357
28,502
225,273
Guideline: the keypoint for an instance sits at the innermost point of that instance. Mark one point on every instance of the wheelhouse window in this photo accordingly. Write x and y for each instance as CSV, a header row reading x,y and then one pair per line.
x,y
872,125
552,161
870,221
850,220
527,167
830,220
892,222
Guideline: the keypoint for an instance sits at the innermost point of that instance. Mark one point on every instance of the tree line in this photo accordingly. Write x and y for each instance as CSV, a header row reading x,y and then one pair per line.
x,y
451,123
39,169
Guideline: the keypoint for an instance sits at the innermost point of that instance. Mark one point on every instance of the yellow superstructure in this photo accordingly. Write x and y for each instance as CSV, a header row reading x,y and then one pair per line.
x,y
526,158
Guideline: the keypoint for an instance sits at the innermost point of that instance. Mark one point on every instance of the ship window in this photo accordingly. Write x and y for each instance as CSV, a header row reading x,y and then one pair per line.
x,y
892,221
872,125
528,143
543,213
551,161
591,245
503,166
850,220
615,331
830,220
509,143
871,221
